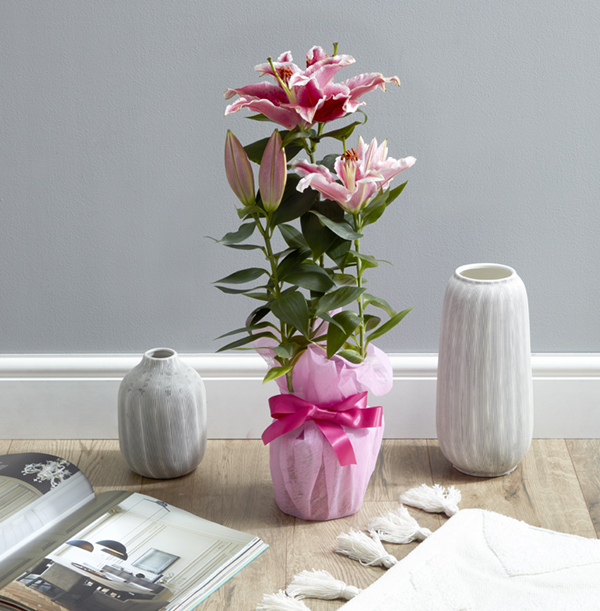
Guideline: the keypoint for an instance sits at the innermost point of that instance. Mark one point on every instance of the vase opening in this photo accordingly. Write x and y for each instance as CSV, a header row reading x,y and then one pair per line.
x,y
161,353
485,271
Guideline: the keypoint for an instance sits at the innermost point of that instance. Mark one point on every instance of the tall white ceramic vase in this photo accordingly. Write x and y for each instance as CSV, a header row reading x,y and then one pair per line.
x,y
162,416
484,388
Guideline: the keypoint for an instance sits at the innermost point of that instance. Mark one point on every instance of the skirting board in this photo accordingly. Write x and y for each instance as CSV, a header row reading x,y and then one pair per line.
x,y
75,396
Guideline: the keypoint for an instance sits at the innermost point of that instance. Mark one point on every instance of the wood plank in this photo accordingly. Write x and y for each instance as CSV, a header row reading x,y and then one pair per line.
x,y
402,464
542,490
585,454
5,446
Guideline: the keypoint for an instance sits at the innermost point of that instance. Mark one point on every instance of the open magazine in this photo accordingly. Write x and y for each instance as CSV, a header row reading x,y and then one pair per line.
x,y
63,548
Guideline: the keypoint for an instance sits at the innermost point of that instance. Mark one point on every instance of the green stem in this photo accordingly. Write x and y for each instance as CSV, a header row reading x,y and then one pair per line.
x,y
361,305
267,234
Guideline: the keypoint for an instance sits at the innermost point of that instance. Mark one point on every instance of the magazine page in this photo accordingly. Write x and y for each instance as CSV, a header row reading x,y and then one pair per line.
x,y
140,552
36,491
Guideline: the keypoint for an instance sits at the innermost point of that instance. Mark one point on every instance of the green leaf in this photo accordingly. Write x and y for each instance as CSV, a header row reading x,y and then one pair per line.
x,y
235,237
248,211
351,355
317,236
231,291
343,229
375,208
276,372
284,351
257,315
294,204
330,321
367,261
246,340
343,132
245,246
292,237
336,338
393,193
371,322
293,310
379,303
329,161
244,275
338,299
260,117
292,262
344,279
387,326
338,251
260,325
256,150
309,276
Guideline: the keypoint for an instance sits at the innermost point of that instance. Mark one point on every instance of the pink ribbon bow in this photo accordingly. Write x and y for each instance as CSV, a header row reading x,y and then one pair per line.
x,y
291,412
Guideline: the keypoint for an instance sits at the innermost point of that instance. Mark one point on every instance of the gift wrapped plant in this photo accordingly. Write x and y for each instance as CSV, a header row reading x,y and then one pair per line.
x,y
313,319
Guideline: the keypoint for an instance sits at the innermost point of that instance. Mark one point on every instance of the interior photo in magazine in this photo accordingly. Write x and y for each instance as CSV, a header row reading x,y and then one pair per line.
x,y
36,490
140,554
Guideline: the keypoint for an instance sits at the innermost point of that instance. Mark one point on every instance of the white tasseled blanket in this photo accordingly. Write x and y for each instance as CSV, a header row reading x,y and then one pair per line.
x,y
483,561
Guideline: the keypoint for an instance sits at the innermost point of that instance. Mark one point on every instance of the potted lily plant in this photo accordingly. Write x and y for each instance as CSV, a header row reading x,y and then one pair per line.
x,y
314,321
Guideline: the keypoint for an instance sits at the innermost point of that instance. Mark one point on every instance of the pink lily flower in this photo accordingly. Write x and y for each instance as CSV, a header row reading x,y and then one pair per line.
x,y
238,170
301,98
360,175
272,175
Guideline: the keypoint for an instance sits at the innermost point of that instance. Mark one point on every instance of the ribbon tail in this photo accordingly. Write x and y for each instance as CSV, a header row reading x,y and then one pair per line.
x,y
339,441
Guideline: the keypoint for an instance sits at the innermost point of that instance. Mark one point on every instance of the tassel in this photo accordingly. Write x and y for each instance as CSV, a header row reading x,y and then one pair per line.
x,y
367,550
399,527
280,602
433,499
320,584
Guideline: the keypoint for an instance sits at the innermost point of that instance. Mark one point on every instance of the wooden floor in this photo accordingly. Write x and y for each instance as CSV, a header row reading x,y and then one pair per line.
x,y
557,486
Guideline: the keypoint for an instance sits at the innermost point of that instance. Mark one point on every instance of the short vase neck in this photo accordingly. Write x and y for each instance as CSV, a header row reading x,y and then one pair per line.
x,y
163,358
485,272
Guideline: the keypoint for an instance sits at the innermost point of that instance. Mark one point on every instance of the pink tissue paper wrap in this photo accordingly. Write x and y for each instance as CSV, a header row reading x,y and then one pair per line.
x,y
308,479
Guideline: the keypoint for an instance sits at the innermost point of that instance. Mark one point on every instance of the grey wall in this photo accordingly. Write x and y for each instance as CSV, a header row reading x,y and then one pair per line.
x,y
111,160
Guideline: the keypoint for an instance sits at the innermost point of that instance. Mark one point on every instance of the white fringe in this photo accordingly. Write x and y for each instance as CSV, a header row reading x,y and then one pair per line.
x,y
367,550
280,602
433,499
399,527
320,584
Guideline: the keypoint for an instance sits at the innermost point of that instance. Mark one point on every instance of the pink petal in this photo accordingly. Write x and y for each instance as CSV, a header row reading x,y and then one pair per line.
x,y
286,56
332,107
308,98
325,69
304,168
284,115
389,170
314,55
269,91
364,192
329,190
283,61
363,83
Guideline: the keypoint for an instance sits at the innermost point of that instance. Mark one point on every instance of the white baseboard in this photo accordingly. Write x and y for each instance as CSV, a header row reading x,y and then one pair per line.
x,y
75,396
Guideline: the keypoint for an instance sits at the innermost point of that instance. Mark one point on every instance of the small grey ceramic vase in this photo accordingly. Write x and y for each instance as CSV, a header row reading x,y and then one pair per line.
x,y
484,388
162,416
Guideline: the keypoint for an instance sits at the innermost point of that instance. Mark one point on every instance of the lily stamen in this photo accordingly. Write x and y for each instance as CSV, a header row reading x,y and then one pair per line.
x,y
350,155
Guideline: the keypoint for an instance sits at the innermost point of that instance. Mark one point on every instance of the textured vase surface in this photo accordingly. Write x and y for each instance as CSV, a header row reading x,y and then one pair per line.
x,y
484,412
162,416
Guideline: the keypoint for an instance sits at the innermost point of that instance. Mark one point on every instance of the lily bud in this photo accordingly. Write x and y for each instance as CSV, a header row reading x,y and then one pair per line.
x,y
273,173
239,170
